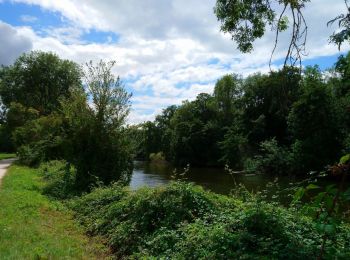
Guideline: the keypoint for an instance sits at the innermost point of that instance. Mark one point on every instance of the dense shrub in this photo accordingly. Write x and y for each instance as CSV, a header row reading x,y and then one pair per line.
x,y
182,221
40,140
132,219
59,177
274,159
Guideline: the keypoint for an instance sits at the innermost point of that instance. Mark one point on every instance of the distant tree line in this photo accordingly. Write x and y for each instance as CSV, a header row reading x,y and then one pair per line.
x,y
281,122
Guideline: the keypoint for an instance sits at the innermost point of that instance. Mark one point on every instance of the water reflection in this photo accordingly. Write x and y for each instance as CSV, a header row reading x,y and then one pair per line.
x,y
214,179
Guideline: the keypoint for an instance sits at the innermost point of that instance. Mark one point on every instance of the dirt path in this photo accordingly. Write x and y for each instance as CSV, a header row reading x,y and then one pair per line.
x,y
4,164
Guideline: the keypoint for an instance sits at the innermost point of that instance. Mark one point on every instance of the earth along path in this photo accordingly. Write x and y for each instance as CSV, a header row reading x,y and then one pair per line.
x,y
4,164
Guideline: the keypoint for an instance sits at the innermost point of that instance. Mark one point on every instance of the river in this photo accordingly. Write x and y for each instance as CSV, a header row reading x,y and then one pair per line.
x,y
214,179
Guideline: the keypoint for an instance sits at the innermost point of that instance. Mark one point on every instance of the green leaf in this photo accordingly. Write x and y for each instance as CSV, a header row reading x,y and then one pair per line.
x,y
298,194
345,159
312,186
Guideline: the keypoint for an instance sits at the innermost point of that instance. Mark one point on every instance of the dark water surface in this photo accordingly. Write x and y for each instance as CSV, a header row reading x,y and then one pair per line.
x,y
214,179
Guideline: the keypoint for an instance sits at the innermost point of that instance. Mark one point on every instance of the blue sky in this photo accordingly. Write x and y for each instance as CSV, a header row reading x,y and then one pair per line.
x,y
167,51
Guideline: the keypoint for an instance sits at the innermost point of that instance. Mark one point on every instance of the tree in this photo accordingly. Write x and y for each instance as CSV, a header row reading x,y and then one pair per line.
x,y
111,102
196,133
314,124
267,102
97,143
38,80
227,91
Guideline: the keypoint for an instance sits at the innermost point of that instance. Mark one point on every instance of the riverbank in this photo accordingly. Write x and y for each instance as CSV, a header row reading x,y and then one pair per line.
x,y
34,227
183,221
176,221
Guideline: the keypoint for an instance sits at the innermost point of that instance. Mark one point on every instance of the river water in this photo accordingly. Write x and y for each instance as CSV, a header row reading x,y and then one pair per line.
x,y
214,179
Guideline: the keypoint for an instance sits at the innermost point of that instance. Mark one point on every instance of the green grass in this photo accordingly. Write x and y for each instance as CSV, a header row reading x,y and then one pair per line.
x,y
7,155
33,227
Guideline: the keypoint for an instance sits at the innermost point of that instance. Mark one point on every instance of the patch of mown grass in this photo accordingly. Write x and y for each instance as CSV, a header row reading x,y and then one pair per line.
x,y
34,227
7,155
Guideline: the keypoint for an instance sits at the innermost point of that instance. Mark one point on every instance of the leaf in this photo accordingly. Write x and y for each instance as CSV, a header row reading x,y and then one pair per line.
x,y
312,186
298,194
345,159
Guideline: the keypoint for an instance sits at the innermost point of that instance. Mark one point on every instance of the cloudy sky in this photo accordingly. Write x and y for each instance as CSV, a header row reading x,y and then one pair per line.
x,y
166,50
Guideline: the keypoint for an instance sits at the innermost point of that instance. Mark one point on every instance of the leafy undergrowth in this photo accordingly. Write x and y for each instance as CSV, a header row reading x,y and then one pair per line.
x,y
7,155
182,221
34,227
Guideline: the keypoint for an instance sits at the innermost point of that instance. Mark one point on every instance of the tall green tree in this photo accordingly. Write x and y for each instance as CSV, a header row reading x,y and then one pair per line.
x,y
227,91
267,102
97,143
38,80
314,124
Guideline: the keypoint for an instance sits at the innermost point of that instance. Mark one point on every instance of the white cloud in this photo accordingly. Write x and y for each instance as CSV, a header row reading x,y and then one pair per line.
x,y
29,18
167,46
12,44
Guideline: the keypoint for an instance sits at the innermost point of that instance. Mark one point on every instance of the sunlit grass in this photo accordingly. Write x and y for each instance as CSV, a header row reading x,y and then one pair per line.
x,y
33,227
7,155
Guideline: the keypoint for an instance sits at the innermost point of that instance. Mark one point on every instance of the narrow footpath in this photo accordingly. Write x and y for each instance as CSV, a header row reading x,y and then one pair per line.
x,y
4,164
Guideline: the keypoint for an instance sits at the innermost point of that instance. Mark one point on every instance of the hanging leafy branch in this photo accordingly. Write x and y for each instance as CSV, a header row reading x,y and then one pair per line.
x,y
344,24
246,21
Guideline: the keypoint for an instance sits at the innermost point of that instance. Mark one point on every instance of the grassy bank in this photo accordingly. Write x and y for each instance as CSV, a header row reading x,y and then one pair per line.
x,y
33,227
7,155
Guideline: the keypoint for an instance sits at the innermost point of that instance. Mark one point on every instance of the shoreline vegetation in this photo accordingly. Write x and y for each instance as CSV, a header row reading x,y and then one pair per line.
x,y
177,221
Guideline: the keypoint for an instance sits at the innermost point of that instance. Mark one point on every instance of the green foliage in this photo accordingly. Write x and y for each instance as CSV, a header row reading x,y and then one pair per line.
x,y
328,207
40,139
266,103
182,221
273,159
133,218
37,80
342,35
95,140
227,91
244,20
59,178
195,126
233,147
303,113
314,124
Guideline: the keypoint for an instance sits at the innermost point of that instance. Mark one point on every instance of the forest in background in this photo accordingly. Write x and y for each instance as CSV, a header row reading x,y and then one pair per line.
x,y
282,122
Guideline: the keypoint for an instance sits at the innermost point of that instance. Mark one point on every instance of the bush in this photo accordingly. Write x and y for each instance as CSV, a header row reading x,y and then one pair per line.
x,y
133,218
59,179
182,221
273,159
40,140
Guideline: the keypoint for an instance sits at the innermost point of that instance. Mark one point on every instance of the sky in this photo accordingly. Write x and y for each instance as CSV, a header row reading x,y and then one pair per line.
x,y
166,51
